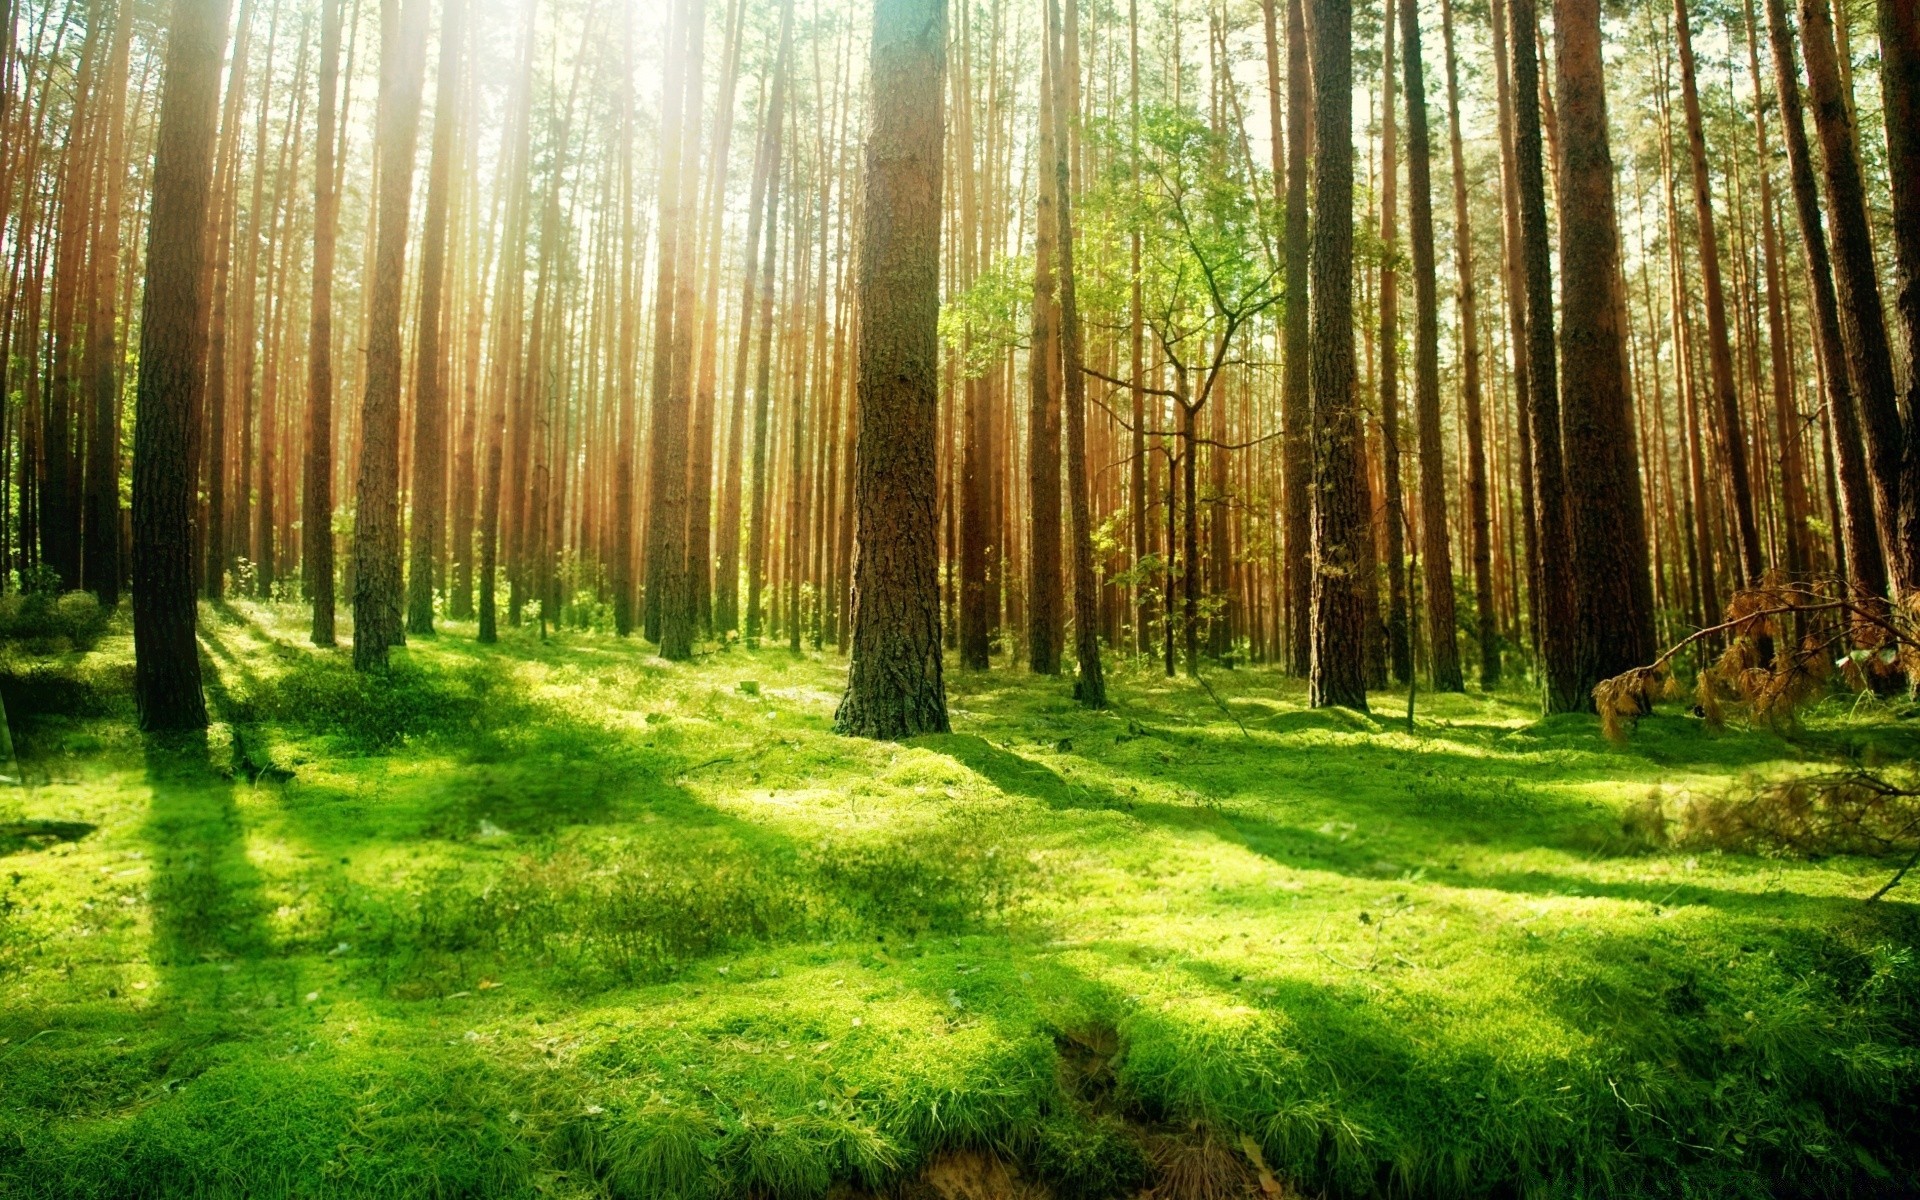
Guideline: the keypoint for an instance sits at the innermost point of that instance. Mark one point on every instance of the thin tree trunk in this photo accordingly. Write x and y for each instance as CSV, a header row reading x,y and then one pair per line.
x,y
1486,632
1443,646
428,492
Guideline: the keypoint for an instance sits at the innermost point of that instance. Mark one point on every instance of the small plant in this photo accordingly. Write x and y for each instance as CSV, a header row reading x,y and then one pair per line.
x,y
43,621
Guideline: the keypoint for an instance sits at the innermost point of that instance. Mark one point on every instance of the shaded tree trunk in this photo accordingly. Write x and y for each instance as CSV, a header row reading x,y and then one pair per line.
x,y
1555,614
173,330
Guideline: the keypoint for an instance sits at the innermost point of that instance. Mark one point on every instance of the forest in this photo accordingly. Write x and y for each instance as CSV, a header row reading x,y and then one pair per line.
x,y
959,599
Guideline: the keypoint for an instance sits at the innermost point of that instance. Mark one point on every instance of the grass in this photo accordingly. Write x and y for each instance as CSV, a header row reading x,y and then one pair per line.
x,y
557,918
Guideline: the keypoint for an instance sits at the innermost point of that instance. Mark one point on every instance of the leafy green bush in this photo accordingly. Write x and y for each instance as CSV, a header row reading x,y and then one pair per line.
x,y
42,621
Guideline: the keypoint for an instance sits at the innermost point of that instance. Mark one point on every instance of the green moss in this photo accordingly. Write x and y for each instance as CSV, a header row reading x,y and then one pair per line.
x,y
555,917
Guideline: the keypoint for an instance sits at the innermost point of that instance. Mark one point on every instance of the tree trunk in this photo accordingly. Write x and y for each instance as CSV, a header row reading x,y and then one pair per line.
x,y
1443,645
172,344
428,493
1900,89
1862,317
1557,630
1044,615
1866,560
1613,589
1486,632
1719,349
894,686
1399,646
1341,531
100,564
376,526
1296,400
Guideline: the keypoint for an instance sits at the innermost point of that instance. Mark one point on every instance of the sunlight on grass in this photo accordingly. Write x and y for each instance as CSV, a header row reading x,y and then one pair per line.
x,y
556,917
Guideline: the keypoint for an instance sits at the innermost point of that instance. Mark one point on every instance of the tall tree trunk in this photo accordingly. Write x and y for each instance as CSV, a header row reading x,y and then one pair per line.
x,y
1399,646
1556,616
172,344
1486,632
1719,349
1089,685
1044,609
1866,559
1900,90
1443,645
1296,399
100,565
894,685
376,525
1786,417
1862,317
428,492
1613,588
1341,557
1514,272
316,514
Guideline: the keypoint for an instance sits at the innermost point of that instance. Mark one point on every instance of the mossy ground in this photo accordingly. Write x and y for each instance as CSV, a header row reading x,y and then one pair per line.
x,y
555,917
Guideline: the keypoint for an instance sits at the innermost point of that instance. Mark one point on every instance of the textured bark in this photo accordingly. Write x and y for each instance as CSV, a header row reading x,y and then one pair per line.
x,y
1443,645
1900,88
1865,559
1340,553
376,526
173,332
1862,316
1486,632
1045,617
1613,588
1555,613
626,371
428,492
894,685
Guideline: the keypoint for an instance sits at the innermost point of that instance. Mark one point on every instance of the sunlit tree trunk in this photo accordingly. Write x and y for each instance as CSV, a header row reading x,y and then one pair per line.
x,y
376,525
894,685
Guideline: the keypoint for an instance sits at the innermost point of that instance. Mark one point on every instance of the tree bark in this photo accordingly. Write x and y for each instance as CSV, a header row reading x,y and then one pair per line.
x,y
1556,616
1862,316
376,526
1613,589
1399,645
1443,645
428,493
1486,631
1341,556
173,332
1900,90
894,685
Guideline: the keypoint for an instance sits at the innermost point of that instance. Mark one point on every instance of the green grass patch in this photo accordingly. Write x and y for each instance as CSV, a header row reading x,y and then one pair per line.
x,y
556,918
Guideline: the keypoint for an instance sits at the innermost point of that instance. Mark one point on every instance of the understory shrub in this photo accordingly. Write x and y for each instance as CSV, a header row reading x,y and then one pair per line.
x,y
43,621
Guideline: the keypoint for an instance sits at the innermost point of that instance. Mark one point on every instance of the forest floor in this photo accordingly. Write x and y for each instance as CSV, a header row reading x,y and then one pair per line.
x,y
558,918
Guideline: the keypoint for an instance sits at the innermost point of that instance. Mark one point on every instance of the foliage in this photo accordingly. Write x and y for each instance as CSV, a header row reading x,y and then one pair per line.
x,y
990,320
42,621
1209,241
